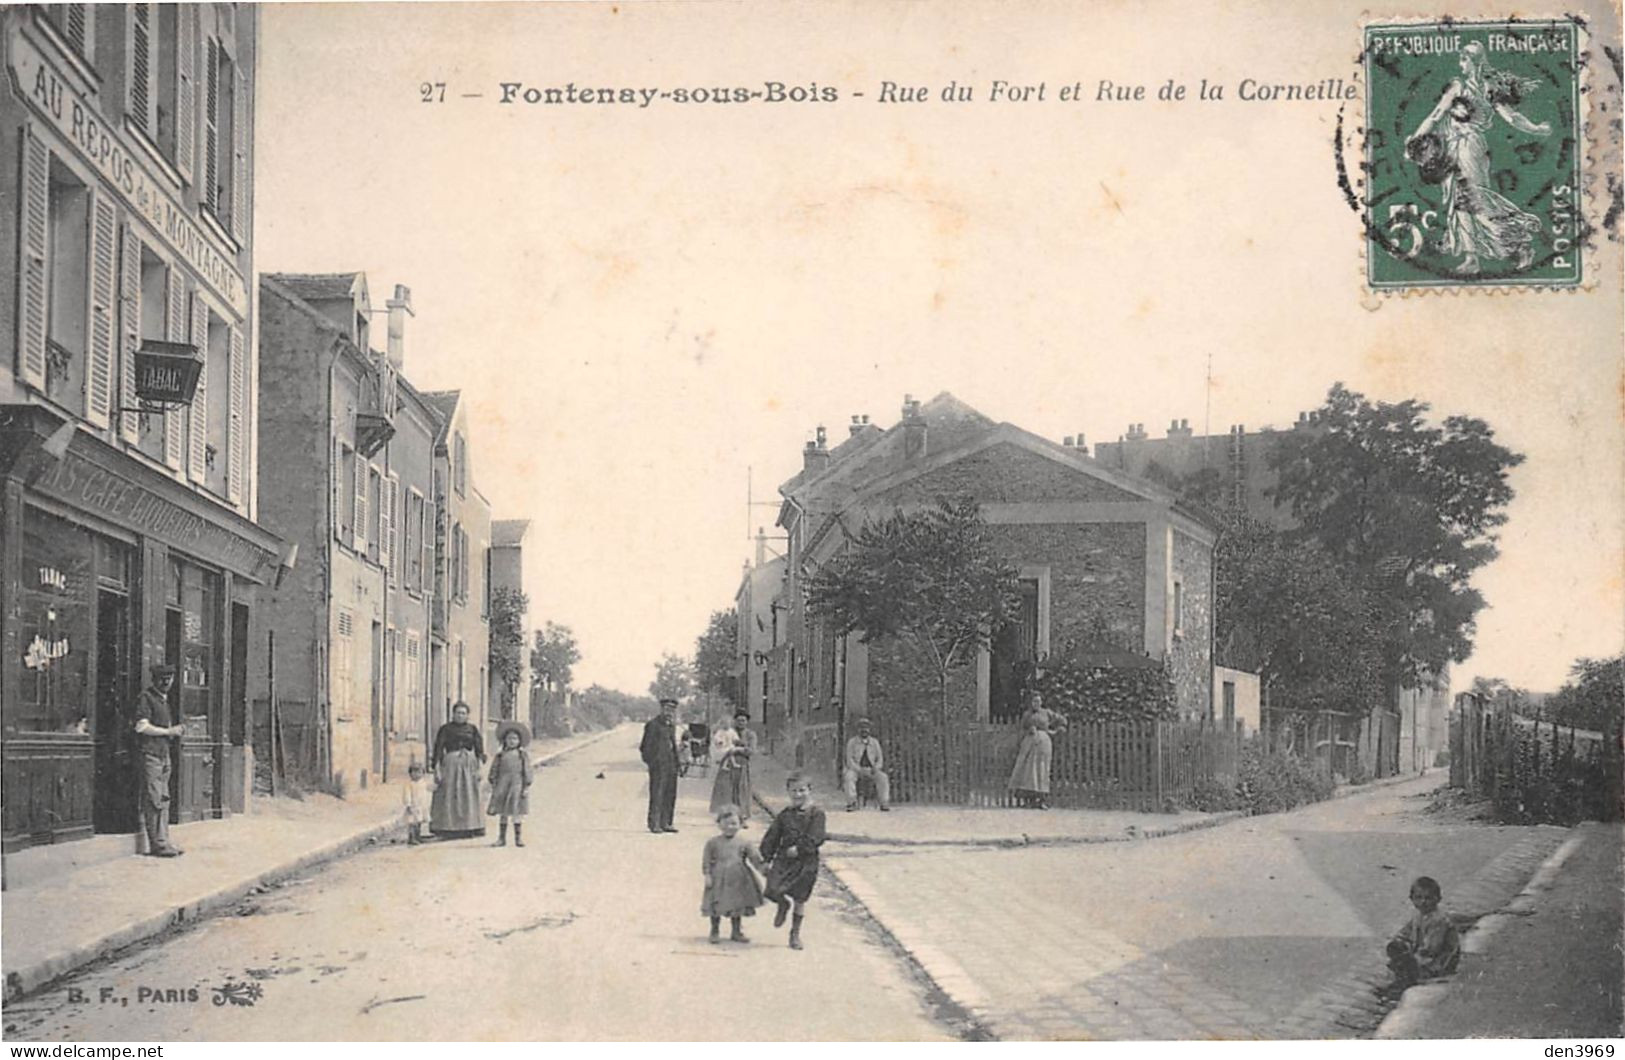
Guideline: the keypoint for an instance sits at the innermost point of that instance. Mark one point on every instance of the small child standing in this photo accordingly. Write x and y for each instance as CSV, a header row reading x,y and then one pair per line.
x,y
1428,945
731,887
415,797
510,782
791,845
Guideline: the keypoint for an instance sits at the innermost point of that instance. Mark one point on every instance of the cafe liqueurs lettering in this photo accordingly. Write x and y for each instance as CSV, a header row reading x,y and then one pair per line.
x,y
80,124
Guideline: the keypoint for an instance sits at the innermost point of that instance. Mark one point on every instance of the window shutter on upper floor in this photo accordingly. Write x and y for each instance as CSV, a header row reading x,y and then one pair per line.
x,y
237,436
130,330
211,124
140,99
239,158
386,525
198,418
175,328
34,239
103,291
186,29
358,529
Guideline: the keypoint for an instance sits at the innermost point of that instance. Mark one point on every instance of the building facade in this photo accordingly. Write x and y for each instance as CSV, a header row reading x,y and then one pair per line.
x,y
344,687
460,611
1406,735
1107,562
507,571
127,528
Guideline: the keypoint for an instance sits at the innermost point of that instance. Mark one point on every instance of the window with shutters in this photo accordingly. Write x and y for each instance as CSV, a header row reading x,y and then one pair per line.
x,y
342,663
459,464
74,24
389,529
411,538
66,265
225,138
153,323
359,485
485,585
462,566
345,474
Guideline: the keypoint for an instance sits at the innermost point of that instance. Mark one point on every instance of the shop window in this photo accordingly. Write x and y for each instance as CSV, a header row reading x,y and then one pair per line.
x,y
68,292
198,667
55,619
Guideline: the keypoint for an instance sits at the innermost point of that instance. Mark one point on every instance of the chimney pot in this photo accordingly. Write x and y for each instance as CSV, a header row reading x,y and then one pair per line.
x,y
823,439
1067,441
400,307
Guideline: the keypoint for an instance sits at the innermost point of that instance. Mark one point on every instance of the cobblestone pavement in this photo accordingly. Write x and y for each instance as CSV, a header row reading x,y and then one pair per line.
x,y
1267,928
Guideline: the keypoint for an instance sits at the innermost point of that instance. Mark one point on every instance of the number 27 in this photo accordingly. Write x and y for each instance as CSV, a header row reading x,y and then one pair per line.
x,y
433,91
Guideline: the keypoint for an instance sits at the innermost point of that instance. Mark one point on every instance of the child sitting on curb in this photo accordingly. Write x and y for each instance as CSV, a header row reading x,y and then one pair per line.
x,y
1428,945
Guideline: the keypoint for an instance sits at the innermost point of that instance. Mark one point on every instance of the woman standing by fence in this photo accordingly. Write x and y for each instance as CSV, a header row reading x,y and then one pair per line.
x,y
1029,779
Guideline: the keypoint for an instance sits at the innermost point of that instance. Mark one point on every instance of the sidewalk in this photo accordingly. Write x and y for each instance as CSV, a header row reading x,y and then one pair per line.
x,y
1548,967
938,826
62,923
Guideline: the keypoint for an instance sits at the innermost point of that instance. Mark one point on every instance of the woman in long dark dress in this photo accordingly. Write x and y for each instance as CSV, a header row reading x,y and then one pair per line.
x,y
458,754
731,749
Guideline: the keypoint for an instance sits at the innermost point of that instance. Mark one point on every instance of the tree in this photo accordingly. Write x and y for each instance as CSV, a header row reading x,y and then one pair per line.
x,y
674,678
930,578
603,708
1411,508
553,655
714,654
1593,697
1296,616
507,642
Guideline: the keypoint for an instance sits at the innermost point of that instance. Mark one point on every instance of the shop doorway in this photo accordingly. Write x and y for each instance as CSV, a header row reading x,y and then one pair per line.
x,y
114,789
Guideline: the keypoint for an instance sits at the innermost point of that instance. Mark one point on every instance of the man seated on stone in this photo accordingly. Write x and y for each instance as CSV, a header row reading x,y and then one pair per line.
x,y
864,759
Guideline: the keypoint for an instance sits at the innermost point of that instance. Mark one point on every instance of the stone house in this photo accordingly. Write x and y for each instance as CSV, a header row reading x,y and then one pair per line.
x,y
1106,560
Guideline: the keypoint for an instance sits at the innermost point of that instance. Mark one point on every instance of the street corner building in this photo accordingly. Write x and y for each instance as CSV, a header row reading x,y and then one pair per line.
x,y
387,625
127,412
1111,566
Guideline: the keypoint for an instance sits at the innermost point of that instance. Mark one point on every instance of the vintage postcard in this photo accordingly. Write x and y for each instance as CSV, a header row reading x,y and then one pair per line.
x,y
865,522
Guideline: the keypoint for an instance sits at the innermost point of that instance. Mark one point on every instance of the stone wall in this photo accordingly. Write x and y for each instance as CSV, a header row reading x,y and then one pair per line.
x,y
1190,650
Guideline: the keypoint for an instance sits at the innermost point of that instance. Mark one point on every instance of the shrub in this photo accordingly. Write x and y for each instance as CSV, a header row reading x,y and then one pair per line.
x,y
1359,772
1108,693
1272,782
1214,796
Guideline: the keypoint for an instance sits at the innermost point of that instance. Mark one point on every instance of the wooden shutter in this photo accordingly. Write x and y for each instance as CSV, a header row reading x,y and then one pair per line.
x,y
237,438
175,328
35,238
76,27
198,418
211,124
139,97
103,290
425,545
186,88
239,158
386,525
130,330
359,526
336,498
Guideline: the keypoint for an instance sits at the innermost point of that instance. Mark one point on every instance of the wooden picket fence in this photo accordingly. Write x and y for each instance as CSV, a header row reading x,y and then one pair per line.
x,y
1534,772
1143,766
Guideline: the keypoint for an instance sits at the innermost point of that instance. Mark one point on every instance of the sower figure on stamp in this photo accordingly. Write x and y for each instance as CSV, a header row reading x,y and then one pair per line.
x,y
659,751
1479,219
156,737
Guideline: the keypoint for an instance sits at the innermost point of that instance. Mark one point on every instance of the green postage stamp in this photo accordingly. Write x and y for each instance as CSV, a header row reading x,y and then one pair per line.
x,y
1473,150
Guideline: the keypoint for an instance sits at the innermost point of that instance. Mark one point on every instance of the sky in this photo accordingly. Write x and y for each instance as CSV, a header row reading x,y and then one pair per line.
x,y
651,309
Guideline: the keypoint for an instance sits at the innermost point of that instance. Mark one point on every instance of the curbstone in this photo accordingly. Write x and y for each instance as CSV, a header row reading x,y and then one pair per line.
x,y
26,980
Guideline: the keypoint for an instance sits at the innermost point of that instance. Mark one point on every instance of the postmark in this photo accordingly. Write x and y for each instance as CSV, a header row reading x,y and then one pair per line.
x,y
1474,150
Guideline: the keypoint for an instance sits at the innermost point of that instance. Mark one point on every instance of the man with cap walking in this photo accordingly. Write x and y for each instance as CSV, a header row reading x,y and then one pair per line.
x,y
864,759
155,734
659,751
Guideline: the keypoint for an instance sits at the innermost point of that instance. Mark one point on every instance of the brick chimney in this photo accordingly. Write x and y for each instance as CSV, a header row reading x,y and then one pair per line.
x,y
761,546
400,307
913,429
815,457
1136,433
1179,428
858,425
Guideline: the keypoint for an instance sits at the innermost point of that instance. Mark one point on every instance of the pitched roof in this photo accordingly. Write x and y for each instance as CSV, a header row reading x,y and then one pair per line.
x,y
317,285
508,533
445,403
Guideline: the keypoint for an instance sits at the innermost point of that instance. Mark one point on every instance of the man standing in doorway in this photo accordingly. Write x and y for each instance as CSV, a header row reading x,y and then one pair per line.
x,y
154,734
659,750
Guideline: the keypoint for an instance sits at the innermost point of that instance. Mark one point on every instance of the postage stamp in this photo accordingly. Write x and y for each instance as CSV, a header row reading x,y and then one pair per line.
x,y
1473,154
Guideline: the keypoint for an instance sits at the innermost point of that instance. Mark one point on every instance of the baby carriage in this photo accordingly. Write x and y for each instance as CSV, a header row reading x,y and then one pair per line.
x,y
699,745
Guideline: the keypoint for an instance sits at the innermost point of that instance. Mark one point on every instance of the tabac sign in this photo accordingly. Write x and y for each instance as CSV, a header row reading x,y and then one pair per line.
x,y
146,194
166,373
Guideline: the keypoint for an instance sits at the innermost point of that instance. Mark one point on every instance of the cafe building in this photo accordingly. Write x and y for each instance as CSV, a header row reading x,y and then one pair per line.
x,y
127,412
